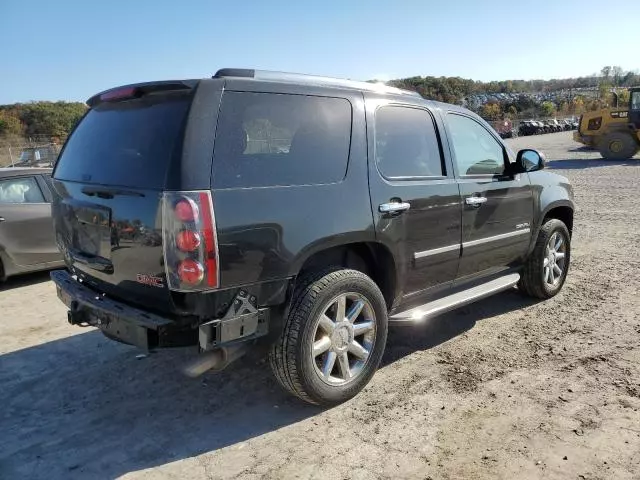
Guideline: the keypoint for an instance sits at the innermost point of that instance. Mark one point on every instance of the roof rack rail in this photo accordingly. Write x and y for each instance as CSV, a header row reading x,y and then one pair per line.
x,y
286,77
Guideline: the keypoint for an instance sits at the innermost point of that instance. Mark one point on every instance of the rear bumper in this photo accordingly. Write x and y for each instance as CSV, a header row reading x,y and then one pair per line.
x,y
115,319
121,322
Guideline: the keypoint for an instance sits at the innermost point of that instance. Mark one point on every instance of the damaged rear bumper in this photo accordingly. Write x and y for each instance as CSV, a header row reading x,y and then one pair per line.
x,y
145,330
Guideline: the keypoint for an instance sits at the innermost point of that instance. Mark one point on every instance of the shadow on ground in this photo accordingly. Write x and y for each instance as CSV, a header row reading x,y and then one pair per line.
x,y
24,280
572,164
84,406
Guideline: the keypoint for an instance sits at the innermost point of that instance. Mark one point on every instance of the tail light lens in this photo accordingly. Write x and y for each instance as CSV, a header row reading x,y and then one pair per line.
x,y
190,272
190,241
186,210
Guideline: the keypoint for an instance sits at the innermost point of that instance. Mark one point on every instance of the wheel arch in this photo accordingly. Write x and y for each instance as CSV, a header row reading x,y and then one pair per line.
x,y
369,257
562,209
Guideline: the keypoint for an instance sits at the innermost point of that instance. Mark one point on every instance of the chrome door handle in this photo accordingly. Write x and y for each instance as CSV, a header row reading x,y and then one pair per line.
x,y
1,219
475,201
394,207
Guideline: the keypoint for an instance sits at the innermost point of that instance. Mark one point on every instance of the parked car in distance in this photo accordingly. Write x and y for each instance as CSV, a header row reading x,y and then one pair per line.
x,y
27,241
328,210
41,156
541,128
527,127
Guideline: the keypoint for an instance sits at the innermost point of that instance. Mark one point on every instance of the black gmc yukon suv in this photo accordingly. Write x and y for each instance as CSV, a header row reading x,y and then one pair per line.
x,y
298,212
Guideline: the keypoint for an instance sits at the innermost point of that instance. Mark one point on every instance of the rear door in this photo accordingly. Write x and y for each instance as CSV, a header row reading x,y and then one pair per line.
x,y
414,196
497,207
26,230
109,180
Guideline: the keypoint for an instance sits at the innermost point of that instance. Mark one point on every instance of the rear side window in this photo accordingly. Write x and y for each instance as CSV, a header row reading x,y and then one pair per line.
x,y
266,139
130,143
406,143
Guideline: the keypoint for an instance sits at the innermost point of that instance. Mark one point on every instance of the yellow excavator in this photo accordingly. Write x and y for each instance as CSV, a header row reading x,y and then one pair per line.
x,y
614,131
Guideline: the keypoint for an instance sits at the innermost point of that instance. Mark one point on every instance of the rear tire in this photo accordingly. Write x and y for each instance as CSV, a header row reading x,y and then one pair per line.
x,y
323,356
546,268
618,145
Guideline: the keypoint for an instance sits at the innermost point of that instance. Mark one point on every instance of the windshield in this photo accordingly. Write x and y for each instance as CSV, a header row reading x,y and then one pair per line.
x,y
129,143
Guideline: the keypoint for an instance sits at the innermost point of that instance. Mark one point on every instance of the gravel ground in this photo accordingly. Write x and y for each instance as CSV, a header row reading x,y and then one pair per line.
x,y
506,388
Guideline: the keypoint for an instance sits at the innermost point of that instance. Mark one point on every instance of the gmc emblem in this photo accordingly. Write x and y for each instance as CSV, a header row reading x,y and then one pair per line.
x,y
149,280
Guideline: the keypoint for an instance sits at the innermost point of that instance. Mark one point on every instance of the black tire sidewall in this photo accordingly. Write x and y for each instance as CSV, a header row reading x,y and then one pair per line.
x,y
629,150
315,387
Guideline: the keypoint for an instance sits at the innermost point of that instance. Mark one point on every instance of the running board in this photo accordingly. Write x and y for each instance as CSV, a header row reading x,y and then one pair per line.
x,y
442,305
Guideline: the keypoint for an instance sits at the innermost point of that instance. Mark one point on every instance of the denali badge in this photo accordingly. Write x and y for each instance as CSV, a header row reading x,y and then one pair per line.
x,y
149,280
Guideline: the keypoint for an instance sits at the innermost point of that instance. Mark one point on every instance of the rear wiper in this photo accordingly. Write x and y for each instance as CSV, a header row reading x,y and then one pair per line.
x,y
110,192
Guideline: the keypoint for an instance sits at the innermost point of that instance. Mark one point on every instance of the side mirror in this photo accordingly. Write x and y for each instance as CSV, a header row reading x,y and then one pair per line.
x,y
529,161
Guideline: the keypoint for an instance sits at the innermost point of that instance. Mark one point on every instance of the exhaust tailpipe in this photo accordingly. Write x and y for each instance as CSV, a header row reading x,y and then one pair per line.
x,y
217,360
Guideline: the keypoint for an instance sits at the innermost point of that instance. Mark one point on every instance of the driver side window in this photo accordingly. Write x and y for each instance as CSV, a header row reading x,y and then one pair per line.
x,y
635,101
476,151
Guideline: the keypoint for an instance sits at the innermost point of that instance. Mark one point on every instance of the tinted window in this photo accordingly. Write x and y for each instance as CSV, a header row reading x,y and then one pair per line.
x,y
127,143
477,152
20,190
265,139
635,101
406,143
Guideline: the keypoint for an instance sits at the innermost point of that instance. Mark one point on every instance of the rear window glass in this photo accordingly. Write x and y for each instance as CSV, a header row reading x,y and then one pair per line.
x,y
129,143
265,139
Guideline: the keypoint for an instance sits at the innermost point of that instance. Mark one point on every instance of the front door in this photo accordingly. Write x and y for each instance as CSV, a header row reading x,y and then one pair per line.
x,y
26,228
414,197
497,207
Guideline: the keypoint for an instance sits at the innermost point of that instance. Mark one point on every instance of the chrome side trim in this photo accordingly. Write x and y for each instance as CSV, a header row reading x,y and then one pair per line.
x,y
503,236
435,251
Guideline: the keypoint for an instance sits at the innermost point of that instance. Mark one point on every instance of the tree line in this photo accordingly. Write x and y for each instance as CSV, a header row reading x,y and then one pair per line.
x,y
53,119
455,89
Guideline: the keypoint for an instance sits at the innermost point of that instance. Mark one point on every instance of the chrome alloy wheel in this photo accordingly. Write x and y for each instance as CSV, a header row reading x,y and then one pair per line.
x,y
344,337
555,259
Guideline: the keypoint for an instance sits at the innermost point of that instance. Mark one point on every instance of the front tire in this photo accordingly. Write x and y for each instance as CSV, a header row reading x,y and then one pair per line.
x,y
618,145
333,339
546,268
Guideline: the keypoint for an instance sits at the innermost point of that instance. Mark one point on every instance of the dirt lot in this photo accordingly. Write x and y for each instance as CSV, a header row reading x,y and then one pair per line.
x,y
507,388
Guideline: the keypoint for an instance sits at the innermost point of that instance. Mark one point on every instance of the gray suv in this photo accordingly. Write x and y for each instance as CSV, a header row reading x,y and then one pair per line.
x,y
305,214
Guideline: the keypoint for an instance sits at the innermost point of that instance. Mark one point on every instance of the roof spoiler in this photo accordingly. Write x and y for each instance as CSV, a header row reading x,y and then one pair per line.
x,y
137,90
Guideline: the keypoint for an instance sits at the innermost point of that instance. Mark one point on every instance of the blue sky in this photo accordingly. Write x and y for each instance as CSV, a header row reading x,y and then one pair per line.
x,y
68,50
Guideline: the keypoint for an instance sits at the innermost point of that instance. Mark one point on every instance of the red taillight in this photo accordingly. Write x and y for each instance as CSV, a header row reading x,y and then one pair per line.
x,y
186,210
187,240
190,241
119,94
190,272
209,233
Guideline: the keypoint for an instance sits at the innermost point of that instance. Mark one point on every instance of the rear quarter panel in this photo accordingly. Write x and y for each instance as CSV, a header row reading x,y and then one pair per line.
x,y
267,233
